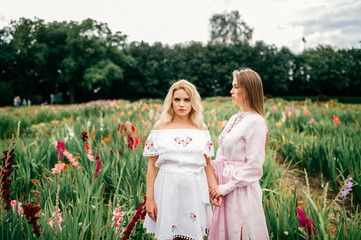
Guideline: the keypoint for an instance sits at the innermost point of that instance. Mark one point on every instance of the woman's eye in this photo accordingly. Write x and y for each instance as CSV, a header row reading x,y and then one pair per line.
x,y
187,100
176,99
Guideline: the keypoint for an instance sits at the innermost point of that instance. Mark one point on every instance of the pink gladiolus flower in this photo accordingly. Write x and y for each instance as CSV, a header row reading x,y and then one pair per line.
x,y
273,109
117,218
90,157
311,120
20,209
70,157
58,168
56,219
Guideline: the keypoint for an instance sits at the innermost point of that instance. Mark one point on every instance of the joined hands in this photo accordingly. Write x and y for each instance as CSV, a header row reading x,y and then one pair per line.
x,y
215,196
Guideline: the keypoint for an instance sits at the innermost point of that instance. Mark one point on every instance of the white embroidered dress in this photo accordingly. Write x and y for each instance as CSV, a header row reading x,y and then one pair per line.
x,y
180,188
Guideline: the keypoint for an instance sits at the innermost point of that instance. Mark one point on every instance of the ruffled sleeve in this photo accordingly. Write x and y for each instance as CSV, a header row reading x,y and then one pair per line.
x,y
208,149
251,172
150,149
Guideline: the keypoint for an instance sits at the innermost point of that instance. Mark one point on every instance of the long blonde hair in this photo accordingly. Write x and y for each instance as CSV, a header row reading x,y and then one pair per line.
x,y
196,115
252,83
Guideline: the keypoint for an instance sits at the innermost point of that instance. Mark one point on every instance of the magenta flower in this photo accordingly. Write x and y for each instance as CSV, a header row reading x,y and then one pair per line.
x,y
311,120
61,149
305,223
99,165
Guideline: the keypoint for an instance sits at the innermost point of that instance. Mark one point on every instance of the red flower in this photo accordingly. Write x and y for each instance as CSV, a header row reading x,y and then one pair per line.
x,y
6,169
132,142
99,165
139,214
84,136
30,212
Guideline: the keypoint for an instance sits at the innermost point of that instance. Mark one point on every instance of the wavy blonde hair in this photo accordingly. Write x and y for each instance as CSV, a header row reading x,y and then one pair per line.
x,y
252,84
196,114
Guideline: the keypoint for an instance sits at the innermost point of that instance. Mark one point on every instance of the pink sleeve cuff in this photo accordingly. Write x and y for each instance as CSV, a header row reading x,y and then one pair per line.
x,y
224,189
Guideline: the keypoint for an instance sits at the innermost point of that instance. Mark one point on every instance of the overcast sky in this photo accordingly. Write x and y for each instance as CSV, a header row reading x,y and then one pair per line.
x,y
280,22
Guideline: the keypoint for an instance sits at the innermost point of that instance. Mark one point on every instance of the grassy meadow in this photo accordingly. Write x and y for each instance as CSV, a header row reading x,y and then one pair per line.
x,y
77,171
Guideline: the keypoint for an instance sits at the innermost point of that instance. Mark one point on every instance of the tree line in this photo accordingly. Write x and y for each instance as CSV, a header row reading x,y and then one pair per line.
x,y
82,61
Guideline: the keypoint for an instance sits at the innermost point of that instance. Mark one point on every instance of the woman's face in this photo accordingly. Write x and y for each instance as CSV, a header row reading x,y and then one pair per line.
x,y
182,105
238,93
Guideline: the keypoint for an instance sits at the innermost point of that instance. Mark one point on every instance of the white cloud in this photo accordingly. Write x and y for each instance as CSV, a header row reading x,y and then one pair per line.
x,y
279,22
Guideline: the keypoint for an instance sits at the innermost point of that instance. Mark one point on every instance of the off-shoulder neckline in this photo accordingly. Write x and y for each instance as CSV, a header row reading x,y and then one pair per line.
x,y
178,129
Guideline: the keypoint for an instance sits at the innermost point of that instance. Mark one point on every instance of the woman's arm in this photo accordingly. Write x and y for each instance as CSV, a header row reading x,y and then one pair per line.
x,y
251,172
212,183
150,205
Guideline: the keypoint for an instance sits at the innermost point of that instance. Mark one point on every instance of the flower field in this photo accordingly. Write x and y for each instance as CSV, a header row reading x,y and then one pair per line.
x,y
77,171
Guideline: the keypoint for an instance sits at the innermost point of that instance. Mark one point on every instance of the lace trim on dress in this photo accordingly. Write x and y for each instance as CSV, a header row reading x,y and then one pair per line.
x,y
209,154
184,237
179,236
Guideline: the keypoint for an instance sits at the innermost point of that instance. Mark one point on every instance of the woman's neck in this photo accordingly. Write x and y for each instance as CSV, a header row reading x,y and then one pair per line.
x,y
180,122
246,108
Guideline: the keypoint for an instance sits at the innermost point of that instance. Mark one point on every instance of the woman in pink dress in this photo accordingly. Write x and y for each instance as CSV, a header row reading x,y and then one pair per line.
x,y
238,164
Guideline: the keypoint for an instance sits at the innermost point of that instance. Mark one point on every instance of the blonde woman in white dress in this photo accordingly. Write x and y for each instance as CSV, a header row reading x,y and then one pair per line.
x,y
179,170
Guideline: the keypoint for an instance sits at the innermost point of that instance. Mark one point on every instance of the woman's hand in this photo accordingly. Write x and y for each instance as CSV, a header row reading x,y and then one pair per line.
x,y
214,193
152,209
217,201
215,196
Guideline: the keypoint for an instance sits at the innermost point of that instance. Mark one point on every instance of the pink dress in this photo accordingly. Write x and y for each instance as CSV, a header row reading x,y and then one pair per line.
x,y
238,168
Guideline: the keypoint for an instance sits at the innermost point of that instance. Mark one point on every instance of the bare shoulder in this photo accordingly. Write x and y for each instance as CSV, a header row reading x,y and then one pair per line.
x,y
157,126
204,127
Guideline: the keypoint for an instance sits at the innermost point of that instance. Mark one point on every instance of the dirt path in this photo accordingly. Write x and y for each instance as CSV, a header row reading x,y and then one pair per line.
x,y
295,176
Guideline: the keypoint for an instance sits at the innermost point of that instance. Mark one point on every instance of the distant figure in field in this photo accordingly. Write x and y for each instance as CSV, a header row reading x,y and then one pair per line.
x,y
24,102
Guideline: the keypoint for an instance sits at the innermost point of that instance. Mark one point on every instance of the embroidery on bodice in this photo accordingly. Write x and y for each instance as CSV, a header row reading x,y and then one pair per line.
x,y
239,117
183,142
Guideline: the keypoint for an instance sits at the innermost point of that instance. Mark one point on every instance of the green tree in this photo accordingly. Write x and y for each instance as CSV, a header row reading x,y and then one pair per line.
x,y
23,57
326,68
229,28
91,46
